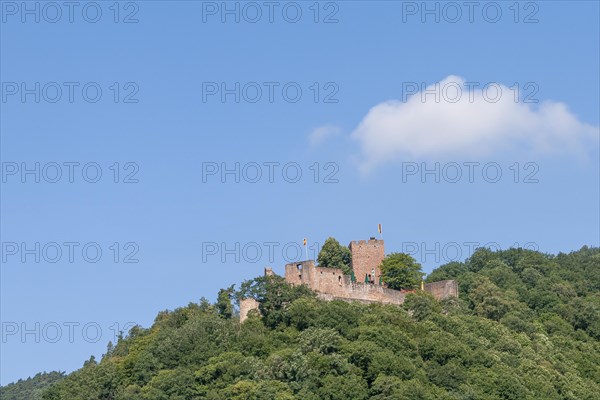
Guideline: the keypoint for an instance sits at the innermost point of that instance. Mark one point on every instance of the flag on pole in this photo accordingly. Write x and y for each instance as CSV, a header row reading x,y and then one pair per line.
x,y
305,249
379,228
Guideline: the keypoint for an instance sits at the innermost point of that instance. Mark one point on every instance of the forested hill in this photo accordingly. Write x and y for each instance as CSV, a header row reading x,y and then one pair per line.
x,y
30,388
526,326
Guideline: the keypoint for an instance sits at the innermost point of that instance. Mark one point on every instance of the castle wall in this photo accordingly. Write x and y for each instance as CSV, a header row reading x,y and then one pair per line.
x,y
442,289
332,284
329,280
366,258
246,305
366,293
300,273
321,279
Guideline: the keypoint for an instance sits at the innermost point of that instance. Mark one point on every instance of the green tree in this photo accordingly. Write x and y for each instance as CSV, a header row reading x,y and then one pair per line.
x,y
346,387
421,305
401,271
334,255
274,295
489,301
224,306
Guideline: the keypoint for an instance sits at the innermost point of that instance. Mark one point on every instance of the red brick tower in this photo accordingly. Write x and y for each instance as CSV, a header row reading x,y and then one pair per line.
x,y
366,258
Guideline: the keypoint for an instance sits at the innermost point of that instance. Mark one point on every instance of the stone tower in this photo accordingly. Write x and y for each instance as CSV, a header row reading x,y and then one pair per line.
x,y
366,258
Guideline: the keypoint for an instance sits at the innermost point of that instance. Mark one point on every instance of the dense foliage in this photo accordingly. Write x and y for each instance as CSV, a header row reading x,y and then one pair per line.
x,y
274,297
525,327
30,388
525,290
334,255
401,271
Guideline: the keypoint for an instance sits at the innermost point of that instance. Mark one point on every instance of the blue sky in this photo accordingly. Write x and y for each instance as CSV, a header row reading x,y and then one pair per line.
x,y
362,144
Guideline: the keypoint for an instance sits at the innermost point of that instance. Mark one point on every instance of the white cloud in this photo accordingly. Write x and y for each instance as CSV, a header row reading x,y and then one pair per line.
x,y
467,126
320,134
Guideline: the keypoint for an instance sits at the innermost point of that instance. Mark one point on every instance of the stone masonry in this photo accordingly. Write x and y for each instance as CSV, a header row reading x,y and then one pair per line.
x,y
366,259
332,284
246,305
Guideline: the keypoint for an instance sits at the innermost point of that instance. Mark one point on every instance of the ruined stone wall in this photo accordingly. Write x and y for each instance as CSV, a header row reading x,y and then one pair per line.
x,y
300,273
331,283
329,280
366,293
442,289
366,258
246,305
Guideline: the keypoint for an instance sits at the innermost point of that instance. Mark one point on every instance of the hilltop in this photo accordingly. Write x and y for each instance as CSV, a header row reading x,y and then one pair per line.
x,y
526,325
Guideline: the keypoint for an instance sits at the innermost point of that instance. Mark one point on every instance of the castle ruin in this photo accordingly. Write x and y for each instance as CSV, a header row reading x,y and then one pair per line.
x,y
332,284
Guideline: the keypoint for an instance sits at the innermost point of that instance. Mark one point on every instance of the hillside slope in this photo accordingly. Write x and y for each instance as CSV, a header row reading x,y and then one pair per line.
x,y
526,326
30,388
